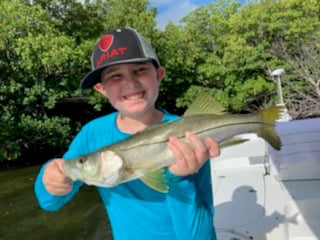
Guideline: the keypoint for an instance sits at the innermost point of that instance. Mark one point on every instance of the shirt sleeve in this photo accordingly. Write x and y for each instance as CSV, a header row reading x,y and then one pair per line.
x,y
190,202
50,202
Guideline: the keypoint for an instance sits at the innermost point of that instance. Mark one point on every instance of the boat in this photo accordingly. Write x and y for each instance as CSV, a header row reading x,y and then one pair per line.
x,y
264,194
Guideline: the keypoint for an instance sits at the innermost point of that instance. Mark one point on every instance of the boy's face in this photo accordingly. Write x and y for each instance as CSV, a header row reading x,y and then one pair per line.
x,y
131,88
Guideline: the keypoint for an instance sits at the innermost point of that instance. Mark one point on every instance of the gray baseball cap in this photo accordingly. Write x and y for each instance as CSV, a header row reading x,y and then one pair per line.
x,y
118,46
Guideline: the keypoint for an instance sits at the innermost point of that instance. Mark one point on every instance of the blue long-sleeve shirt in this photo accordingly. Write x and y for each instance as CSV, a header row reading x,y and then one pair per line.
x,y
136,211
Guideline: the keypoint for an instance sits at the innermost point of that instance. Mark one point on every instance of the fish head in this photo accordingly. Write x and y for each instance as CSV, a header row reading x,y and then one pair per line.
x,y
102,168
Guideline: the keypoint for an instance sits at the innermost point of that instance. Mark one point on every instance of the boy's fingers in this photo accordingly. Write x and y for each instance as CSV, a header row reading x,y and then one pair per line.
x,y
54,180
213,146
200,149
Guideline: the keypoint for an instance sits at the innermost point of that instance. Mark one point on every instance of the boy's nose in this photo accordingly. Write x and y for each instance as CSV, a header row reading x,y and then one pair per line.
x,y
132,81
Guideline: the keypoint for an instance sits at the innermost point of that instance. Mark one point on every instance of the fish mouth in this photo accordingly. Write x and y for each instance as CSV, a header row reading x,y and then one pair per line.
x,y
69,172
134,96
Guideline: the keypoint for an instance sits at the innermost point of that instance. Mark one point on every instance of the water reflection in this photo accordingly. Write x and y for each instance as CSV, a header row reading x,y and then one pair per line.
x,y
84,218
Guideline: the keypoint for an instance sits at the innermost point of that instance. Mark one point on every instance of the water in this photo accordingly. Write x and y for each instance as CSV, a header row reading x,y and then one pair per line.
x,y
84,218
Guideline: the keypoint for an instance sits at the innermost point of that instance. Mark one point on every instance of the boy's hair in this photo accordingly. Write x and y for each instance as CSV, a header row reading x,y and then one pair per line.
x,y
118,46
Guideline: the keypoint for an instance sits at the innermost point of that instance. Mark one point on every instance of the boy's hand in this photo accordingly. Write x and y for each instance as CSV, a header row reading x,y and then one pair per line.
x,y
191,156
54,180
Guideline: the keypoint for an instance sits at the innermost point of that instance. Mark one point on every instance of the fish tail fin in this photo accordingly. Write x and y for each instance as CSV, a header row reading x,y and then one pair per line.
x,y
269,134
267,131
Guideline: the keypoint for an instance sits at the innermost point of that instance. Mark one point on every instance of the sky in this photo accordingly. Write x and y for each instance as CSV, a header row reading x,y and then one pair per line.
x,y
174,10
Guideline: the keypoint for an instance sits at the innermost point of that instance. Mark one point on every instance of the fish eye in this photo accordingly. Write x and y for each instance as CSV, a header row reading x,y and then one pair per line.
x,y
82,160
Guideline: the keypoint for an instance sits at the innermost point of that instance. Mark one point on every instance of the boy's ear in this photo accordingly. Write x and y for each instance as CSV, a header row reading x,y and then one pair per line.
x,y
100,89
161,72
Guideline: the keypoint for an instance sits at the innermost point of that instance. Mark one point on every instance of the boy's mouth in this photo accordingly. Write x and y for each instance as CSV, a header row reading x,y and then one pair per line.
x,y
134,96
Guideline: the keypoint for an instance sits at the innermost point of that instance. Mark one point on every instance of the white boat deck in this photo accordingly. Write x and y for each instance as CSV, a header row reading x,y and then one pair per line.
x,y
251,202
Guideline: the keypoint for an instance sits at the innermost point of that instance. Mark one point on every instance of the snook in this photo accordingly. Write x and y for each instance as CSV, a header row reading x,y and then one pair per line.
x,y
145,154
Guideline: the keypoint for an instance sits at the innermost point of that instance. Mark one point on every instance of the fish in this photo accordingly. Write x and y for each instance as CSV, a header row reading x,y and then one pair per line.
x,y
145,155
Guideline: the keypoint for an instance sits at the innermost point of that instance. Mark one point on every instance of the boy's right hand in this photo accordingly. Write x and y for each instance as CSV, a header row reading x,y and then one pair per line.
x,y
53,179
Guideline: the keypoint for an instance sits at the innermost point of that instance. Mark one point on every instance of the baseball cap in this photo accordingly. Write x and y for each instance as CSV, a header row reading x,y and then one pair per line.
x,y
118,46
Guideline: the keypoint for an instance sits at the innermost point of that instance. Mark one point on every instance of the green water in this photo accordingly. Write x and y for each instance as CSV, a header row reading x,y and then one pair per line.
x,y
84,218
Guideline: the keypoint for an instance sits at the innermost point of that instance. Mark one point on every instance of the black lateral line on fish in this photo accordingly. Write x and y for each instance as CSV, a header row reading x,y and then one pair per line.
x,y
231,124
208,129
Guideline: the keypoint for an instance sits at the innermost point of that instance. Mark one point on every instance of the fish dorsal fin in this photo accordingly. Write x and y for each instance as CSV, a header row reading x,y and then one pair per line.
x,y
204,105
156,180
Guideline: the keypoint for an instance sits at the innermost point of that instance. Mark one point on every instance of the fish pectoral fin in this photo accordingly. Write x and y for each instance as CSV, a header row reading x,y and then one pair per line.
x,y
233,141
155,179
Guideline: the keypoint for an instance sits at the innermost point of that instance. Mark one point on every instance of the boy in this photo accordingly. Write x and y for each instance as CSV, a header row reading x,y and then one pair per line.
x,y
128,73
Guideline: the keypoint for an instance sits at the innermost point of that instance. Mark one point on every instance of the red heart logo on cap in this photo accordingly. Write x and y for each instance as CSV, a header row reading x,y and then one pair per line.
x,y
105,42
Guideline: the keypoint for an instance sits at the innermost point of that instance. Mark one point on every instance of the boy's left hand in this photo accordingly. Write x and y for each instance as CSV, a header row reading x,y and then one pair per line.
x,y
191,156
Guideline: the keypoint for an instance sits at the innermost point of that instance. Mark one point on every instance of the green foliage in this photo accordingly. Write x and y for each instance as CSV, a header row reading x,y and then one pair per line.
x,y
40,67
239,46
74,19
133,13
226,48
57,127
179,62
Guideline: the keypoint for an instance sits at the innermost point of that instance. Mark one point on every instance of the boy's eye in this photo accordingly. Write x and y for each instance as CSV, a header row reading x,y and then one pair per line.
x,y
113,77
82,160
141,69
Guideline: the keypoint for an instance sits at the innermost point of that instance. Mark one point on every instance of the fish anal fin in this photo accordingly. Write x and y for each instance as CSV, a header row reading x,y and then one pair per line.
x,y
155,179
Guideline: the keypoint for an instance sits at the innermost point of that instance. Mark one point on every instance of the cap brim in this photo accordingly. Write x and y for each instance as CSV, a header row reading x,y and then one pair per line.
x,y
91,79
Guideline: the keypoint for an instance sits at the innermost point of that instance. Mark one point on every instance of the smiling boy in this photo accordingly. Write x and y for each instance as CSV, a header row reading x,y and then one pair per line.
x,y
128,73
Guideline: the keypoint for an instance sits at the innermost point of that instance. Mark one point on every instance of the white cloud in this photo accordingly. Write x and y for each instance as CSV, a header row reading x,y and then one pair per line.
x,y
169,10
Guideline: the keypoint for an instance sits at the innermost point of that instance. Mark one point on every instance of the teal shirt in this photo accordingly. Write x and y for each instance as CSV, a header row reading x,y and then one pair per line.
x,y
136,211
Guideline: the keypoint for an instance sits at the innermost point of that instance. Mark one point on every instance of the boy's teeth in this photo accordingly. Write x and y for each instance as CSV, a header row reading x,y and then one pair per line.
x,y
134,97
